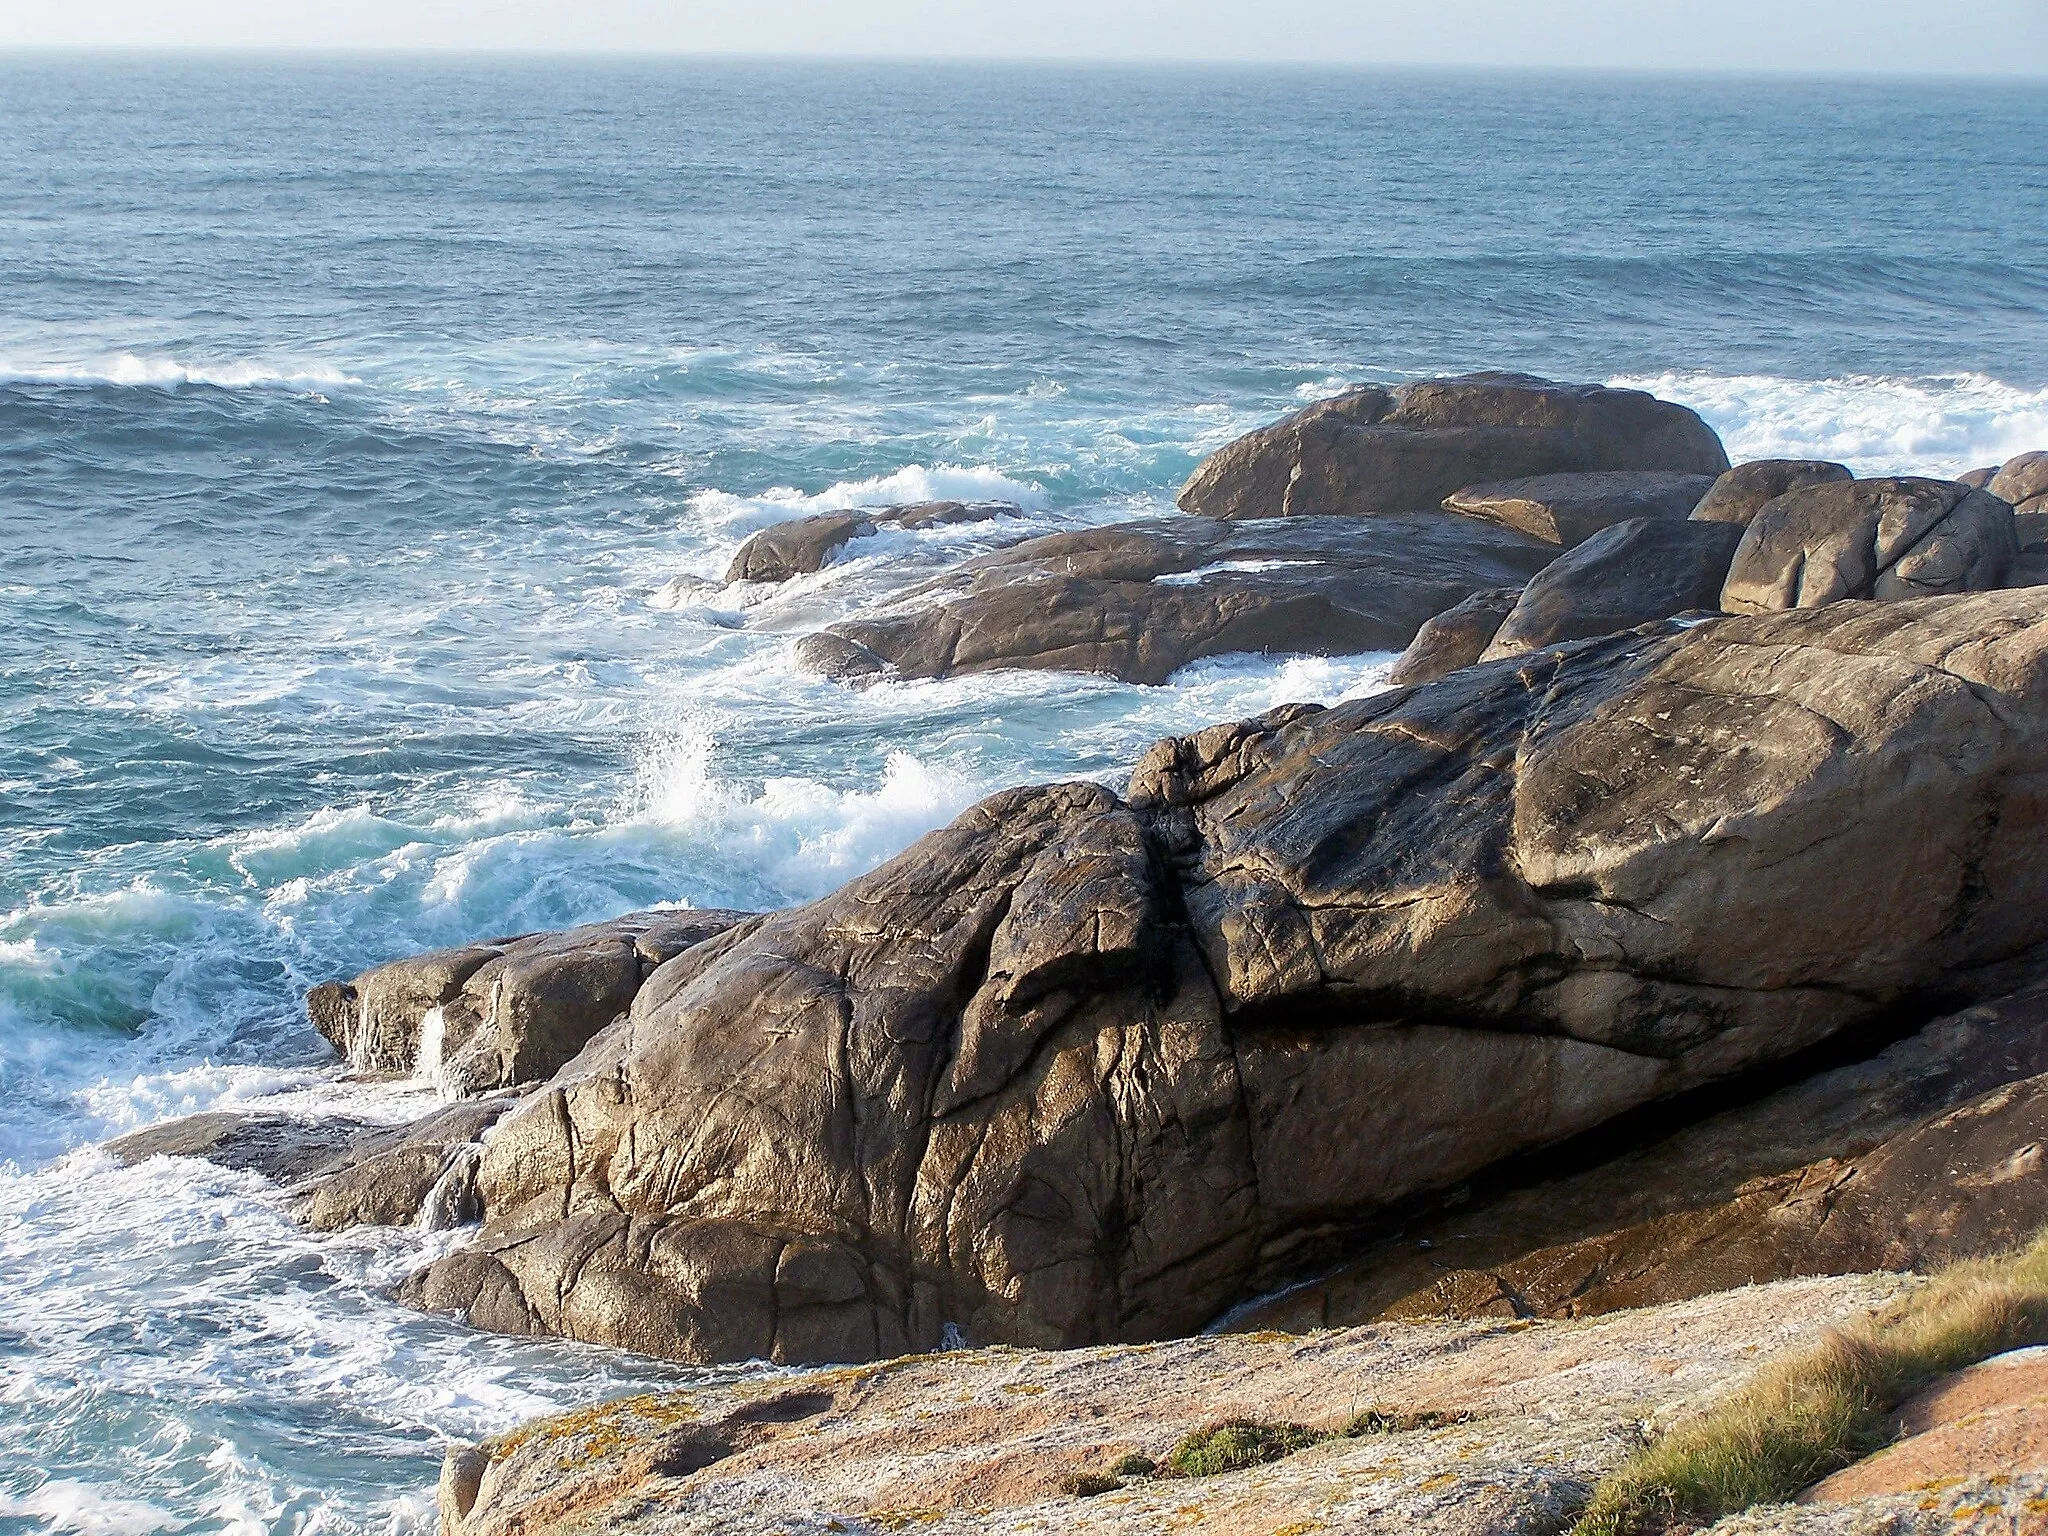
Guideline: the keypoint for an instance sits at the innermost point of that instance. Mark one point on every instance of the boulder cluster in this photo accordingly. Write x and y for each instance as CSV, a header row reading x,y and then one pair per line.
x,y
1677,913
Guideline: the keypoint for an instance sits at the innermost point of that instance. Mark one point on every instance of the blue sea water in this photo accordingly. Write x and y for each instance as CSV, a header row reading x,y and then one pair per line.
x,y
373,435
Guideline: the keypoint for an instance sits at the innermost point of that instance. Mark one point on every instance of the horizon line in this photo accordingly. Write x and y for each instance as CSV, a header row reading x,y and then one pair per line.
x,y
517,51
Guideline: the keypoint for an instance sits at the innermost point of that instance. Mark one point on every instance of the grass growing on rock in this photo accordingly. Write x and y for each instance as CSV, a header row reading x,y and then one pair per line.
x,y
1820,1411
1236,1444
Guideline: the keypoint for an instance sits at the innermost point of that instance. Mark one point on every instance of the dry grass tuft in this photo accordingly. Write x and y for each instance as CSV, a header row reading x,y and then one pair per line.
x,y
1815,1414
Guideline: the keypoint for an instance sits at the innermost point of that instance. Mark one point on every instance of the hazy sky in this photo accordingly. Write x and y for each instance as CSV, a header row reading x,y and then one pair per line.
x,y
1989,36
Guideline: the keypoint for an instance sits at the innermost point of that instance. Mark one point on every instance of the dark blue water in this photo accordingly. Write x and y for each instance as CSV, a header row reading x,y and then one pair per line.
x,y
372,437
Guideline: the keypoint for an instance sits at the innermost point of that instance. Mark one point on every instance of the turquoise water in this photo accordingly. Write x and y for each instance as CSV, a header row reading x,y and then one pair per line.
x,y
372,437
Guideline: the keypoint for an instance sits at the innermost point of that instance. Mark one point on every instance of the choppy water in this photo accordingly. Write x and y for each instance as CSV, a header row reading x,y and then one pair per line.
x,y
356,425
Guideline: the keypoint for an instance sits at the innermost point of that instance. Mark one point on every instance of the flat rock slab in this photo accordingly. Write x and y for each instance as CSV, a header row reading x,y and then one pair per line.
x,y
1569,509
1989,1419
1529,1417
1141,600
805,545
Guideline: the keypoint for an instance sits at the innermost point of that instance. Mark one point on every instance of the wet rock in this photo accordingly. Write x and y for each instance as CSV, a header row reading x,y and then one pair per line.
x,y
807,544
1884,539
1079,1068
1735,1198
504,1011
280,1147
1569,509
1455,638
1376,451
1141,600
1741,493
1501,1430
1633,573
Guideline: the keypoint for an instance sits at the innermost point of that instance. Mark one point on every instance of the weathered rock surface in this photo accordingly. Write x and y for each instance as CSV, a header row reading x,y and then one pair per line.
x,y
1885,539
503,1011
807,544
2023,482
1529,1417
1742,492
1739,1196
1569,509
1077,1068
1994,1504
1141,600
1376,451
1455,638
1633,573
1989,1419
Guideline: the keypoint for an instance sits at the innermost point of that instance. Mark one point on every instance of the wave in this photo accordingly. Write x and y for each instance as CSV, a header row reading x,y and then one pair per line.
x,y
729,513
129,370
1942,424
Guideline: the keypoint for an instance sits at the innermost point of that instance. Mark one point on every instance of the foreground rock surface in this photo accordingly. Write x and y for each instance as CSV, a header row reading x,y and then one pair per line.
x,y
1080,1068
1376,451
1528,1418
1141,600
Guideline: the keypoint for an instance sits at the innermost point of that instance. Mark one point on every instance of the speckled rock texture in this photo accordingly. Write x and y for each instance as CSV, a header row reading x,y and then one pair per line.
x,y
1526,1420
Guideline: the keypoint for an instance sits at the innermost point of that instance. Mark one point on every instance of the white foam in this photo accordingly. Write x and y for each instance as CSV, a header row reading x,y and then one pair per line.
x,y
1196,577
63,1504
129,370
913,483
1940,425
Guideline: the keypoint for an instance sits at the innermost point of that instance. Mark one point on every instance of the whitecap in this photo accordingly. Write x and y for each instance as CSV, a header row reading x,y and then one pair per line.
x,y
129,370
64,1504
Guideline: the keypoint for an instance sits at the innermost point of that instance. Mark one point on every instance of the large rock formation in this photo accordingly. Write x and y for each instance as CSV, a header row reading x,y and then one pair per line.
x,y
1743,491
2023,482
807,544
1141,600
1569,509
502,1011
1376,451
1871,539
1633,573
1079,1068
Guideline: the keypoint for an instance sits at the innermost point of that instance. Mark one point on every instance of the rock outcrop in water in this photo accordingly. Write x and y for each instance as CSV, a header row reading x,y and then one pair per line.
x,y
1141,600
805,545
1081,1067
503,1011
1375,451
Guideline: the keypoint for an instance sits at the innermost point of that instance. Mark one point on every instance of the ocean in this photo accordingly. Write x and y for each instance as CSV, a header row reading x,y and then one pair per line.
x,y
373,434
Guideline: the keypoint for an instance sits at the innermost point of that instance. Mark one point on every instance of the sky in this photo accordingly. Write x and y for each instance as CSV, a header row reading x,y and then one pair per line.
x,y
1946,36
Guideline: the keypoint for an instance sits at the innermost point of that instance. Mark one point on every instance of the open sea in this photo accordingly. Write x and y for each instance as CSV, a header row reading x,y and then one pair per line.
x,y
368,429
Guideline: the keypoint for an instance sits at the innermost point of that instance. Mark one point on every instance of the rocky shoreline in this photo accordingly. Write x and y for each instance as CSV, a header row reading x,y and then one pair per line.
x,y
1675,922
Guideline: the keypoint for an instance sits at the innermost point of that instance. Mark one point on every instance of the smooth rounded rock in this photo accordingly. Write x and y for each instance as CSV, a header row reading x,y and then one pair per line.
x,y
1633,573
1742,492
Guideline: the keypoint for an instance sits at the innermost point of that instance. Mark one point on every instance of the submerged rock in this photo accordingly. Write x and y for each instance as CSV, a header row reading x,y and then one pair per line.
x,y
1883,539
1376,451
1080,1068
1632,573
1569,509
807,544
1141,600
504,1011
1743,491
